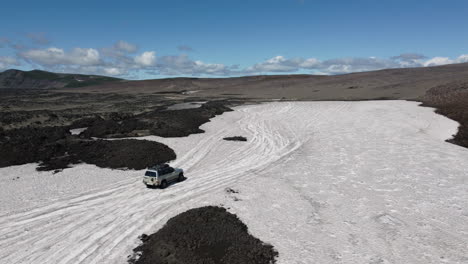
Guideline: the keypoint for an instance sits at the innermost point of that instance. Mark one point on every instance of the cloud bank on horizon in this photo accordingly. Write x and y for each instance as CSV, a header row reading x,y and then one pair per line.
x,y
153,39
124,59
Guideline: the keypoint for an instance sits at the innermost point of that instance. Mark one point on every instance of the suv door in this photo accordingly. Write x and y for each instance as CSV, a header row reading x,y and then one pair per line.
x,y
166,173
162,174
171,173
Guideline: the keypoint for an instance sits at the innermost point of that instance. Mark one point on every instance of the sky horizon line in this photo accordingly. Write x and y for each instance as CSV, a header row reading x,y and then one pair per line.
x,y
154,39
236,76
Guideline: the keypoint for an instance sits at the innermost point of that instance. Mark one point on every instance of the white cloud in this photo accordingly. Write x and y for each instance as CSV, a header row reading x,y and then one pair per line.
x,y
113,71
437,61
334,66
55,56
120,52
116,60
347,65
276,64
94,70
183,65
409,59
84,56
309,63
8,62
463,58
125,46
209,68
147,58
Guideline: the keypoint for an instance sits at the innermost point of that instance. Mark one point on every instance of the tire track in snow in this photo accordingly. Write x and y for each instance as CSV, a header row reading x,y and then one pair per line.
x,y
102,227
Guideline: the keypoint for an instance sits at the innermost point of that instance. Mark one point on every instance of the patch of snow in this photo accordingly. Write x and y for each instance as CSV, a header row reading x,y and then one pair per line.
x,y
188,105
26,188
77,131
190,92
323,182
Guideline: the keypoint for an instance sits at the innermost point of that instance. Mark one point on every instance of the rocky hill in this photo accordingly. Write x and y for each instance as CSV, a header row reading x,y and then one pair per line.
x,y
37,79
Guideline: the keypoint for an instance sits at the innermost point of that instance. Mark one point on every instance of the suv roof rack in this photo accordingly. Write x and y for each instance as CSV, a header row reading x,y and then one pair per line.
x,y
158,166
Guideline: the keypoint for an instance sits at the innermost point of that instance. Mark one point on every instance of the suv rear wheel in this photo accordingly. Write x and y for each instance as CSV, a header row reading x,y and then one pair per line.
x,y
163,184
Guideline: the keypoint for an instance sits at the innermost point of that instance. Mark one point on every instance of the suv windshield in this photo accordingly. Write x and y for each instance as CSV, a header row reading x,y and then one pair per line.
x,y
150,173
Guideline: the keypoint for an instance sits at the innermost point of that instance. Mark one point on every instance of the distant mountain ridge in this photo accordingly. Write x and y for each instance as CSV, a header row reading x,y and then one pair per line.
x,y
395,84
37,79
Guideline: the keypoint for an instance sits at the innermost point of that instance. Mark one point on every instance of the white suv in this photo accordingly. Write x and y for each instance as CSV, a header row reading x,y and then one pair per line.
x,y
161,175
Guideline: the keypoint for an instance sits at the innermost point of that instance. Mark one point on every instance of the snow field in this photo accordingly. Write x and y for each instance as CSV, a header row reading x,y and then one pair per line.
x,y
324,182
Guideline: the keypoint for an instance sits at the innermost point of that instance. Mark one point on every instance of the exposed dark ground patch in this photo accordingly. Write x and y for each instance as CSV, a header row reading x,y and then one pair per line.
x,y
173,123
230,190
56,149
236,138
41,108
232,193
35,124
451,100
115,154
26,145
106,115
206,235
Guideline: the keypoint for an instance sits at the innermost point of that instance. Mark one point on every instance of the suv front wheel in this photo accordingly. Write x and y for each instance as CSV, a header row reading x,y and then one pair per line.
x,y
181,177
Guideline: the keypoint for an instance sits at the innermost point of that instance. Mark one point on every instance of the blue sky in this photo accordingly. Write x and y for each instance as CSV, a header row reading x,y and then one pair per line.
x,y
153,39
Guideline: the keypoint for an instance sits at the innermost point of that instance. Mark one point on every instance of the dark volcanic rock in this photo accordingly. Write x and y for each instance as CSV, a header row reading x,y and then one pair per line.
x,y
174,123
236,138
55,149
126,153
451,100
114,129
26,145
181,123
206,235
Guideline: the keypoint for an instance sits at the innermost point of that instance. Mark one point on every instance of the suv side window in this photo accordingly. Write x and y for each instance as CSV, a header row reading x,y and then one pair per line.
x,y
165,170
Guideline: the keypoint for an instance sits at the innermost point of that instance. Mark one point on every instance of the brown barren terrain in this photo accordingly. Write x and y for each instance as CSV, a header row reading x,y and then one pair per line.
x,y
407,83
